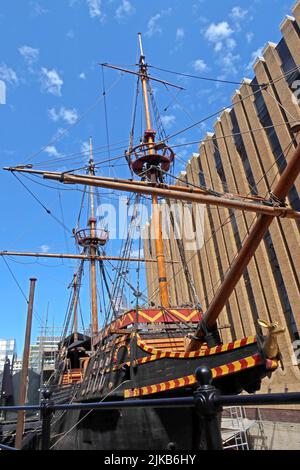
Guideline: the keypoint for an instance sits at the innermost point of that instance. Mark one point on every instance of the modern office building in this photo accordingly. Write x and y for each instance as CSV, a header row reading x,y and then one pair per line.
x,y
245,153
43,353
8,349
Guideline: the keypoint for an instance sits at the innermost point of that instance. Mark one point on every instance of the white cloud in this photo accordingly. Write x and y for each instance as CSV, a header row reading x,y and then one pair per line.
x,y
29,54
238,13
38,10
68,115
82,76
168,120
8,75
51,81
94,8
254,56
199,65
249,37
218,32
44,248
227,62
153,26
230,43
179,34
85,149
70,34
52,151
124,9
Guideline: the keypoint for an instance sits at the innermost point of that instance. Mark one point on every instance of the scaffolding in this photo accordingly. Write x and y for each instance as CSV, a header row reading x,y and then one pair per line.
x,y
235,428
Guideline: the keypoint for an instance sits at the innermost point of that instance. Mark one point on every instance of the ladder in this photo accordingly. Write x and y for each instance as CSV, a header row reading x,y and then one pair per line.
x,y
235,426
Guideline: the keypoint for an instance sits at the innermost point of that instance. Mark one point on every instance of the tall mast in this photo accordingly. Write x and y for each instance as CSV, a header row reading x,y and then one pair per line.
x,y
25,366
93,248
149,139
75,293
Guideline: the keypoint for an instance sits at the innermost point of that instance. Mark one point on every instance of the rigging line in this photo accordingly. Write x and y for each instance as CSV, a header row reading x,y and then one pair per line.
x,y
224,183
81,207
228,220
191,117
213,181
80,118
280,104
211,191
84,154
159,124
95,164
63,220
125,281
33,180
88,413
105,114
26,263
208,79
15,279
134,112
110,296
284,153
48,211
181,250
139,294
232,105
81,316
285,75
235,134
73,296
65,318
20,289
288,149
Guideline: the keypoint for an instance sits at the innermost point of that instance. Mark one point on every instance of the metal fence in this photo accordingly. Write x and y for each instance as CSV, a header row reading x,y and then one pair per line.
x,y
207,400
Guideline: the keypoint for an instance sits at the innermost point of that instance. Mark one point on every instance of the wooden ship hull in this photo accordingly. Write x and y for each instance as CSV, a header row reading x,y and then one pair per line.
x,y
146,364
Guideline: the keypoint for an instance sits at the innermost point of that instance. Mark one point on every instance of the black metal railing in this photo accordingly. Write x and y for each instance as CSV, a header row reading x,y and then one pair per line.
x,y
206,399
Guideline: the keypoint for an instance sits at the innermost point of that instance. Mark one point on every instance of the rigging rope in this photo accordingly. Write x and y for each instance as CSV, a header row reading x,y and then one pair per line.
x,y
48,211
20,288
105,115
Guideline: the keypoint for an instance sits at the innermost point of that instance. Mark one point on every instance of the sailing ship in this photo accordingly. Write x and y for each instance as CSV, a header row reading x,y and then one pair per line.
x,y
151,352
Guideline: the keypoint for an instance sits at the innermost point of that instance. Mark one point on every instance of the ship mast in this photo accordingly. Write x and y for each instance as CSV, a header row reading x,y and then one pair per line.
x,y
75,294
149,140
93,247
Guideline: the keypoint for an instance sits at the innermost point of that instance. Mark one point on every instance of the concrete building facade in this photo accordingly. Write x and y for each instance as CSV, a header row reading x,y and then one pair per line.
x,y
245,154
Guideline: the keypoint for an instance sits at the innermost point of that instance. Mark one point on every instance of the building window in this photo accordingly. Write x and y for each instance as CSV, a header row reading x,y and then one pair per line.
x,y
284,299
287,62
240,146
218,162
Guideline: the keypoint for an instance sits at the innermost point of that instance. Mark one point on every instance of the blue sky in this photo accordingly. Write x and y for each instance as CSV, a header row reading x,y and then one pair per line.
x,y
49,56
